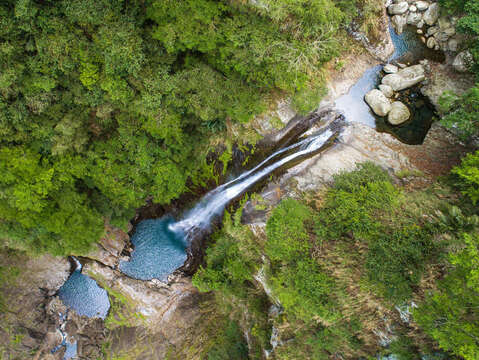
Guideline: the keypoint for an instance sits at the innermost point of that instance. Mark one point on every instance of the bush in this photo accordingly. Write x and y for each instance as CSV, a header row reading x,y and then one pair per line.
x,y
450,314
461,112
468,175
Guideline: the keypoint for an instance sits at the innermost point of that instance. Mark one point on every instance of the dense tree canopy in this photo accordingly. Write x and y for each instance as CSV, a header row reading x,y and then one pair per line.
x,y
104,103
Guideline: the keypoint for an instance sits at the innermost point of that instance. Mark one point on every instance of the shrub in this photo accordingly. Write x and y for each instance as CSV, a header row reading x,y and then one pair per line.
x,y
450,314
468,174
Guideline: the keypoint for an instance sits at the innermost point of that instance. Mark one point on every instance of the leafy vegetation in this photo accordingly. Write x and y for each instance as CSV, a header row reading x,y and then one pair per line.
x,y
330,260
450,314
468,175
106,103
461,112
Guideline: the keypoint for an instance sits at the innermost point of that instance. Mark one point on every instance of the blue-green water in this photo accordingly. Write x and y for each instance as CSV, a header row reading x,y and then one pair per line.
x,y
158,251
82,294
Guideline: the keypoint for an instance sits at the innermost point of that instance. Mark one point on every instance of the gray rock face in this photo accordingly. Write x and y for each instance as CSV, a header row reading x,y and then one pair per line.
x,y
405,78
386,90
399,22
399,113
461,61
399,8
378,102
414,18
422,5
390,69
432,14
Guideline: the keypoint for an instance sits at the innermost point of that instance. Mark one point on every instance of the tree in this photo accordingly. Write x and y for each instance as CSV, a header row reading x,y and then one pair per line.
x,y
451,314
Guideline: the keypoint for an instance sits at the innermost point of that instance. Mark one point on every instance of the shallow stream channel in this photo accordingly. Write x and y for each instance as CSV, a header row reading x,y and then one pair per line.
x,y
162,245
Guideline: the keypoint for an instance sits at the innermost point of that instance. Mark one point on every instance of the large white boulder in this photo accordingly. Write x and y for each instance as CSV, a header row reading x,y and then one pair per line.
x,y
414,18
432,14
422,5
390,69
378,102
399,8
386,90
405,78
399,21
399,113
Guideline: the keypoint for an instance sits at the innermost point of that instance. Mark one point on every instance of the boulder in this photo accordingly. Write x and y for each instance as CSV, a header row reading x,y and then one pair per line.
x,y
441,36
452,44
449,31
413,8
390,69
399,113
432,30
419,31
461,61
399,8
378,102
432,14
399,22
413,18
420,24
422,5
405,78
431,42
444,23
386,90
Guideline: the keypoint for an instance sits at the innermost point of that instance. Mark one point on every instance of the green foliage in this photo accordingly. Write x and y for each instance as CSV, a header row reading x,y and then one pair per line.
x,y
286,231
106,103
229,344
353,200
397,259
450,314
360,204
298,282
403,348
231,261
461,112
468,24
468,175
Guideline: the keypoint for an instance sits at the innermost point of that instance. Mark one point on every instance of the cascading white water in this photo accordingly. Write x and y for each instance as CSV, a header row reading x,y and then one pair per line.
x,y
161,244
214,203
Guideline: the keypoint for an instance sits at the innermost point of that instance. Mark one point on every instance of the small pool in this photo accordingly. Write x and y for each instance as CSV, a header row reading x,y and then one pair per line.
x,y
409,49
158,251
82,294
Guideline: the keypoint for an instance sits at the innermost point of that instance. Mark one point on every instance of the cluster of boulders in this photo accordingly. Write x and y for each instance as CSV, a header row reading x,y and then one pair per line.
x,y
436,31
398,77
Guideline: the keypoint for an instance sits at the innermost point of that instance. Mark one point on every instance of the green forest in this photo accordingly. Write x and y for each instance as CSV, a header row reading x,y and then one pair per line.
x,y
106,105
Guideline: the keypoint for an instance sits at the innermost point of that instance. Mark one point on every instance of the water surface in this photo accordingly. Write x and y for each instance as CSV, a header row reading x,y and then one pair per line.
x,y
82,294
158,251
408,49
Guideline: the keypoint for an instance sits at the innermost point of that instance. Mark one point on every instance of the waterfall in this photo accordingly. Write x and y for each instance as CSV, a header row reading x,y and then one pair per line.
x,y
161,245
214,203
